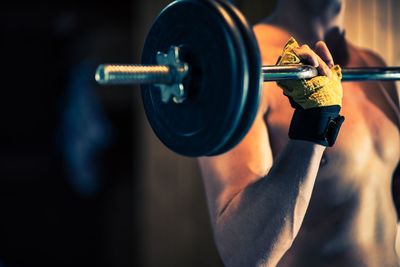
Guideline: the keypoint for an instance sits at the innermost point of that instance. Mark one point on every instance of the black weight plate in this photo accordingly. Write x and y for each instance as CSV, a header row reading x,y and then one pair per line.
x,y
254,80
210,44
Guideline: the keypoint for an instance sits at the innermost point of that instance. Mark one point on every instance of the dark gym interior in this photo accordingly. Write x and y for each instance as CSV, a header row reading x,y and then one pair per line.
x,y
83,180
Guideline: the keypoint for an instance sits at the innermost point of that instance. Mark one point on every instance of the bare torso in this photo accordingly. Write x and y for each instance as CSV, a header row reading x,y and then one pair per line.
x,y
351,219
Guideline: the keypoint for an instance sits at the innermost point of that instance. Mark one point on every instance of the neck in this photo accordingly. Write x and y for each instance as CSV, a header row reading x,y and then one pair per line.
x,y
305,27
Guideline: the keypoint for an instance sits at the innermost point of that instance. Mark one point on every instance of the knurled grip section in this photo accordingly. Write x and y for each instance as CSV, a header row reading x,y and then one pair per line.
x,y
134,74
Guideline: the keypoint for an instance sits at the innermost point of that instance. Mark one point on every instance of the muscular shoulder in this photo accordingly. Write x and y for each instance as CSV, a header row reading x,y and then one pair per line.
x,y
271,41
370,58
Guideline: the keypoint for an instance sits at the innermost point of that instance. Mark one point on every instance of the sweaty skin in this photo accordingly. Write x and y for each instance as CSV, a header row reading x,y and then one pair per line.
x,y
280,202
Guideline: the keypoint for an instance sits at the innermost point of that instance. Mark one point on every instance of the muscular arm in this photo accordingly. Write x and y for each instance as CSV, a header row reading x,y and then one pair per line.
x,y
257,205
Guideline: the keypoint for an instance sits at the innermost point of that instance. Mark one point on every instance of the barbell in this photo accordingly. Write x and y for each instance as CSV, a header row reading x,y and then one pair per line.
x,y
201,76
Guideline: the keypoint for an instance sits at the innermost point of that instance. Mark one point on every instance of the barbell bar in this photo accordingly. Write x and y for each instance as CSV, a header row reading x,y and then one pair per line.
x,y
169,77
164,74
201,76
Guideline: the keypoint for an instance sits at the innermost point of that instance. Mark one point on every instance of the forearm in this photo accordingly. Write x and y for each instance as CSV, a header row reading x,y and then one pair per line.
x,y
260,223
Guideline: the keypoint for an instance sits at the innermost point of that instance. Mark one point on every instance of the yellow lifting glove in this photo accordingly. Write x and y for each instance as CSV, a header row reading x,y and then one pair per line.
x,y
317,102
319,91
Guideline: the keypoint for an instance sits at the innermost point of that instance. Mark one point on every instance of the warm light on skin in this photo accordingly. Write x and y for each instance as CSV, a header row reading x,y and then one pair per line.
x,y
353,186
397,245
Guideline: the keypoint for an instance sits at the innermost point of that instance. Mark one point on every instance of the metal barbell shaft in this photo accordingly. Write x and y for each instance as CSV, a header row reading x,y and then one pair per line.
x,y
159,74
273,73
163,74
293,72
371,74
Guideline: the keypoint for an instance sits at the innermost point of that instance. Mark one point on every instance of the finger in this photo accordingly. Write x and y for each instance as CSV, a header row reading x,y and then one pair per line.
x,y
322,50
323,68
307,56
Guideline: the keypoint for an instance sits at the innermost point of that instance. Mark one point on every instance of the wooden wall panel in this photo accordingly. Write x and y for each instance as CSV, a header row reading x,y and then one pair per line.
x,y
375,24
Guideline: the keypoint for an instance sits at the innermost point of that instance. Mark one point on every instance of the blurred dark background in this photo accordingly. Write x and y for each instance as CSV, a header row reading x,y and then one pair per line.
x,y
67,192
83,180
72,154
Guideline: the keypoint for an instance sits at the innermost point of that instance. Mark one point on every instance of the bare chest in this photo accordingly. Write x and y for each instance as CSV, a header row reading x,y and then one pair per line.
x,y
368,140
353,184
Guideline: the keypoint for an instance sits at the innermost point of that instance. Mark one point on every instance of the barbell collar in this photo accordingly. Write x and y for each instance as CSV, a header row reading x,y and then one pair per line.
x,y
167,76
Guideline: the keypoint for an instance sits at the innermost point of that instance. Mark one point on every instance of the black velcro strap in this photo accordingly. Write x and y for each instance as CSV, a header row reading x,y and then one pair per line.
x,y
319,125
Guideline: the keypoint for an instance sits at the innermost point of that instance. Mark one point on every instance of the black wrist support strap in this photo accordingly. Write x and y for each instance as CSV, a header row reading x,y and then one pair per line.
x,y
319,125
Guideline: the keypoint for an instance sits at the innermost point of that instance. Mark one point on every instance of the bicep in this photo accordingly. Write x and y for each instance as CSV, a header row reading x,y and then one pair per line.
x,y
228,174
